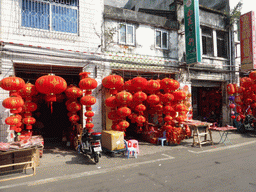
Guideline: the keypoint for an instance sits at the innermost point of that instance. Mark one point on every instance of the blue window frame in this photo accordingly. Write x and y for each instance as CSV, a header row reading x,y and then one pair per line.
x,y
55,15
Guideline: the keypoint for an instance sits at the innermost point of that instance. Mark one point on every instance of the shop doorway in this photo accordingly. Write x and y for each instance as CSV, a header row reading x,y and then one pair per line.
x,y
207,104
56,123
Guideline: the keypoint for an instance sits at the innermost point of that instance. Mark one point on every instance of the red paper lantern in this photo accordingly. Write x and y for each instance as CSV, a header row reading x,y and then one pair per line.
x,y
168,97
124,112
30,106
230,89
167,118
246,82
139,96
111,102
112,115
252,75
74,106
12,120
88,100
51,84
140,119
128,86
74,118
89,125
233,116
153,85
153,99
28,91
73,92
181,107
12,83
29,121
113,81
140,108
158,107
88,83
123,125
124,97
89,114
13,103
167,109
139,83
179,95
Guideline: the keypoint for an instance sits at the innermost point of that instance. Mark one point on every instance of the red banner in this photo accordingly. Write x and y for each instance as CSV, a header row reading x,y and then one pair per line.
x,y
247,41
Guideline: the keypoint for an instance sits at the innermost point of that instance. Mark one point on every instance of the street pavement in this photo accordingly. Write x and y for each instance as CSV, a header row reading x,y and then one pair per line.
x,y
58,164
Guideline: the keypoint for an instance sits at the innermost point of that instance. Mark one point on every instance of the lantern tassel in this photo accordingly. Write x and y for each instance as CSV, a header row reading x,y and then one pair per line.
x,y
51,108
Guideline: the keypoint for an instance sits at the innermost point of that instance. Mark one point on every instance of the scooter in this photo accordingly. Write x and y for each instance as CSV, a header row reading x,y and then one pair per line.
x,y
249,124
90,145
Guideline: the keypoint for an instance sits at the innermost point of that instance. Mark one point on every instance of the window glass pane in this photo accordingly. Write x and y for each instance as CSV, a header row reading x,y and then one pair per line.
x,y
164,43
35,14
122,33
130,34
158,38
221,44
207,41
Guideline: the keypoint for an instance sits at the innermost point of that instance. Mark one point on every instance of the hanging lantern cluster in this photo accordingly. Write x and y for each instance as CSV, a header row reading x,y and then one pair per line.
x,y
14,102
139,99
88,84
72,104
244,98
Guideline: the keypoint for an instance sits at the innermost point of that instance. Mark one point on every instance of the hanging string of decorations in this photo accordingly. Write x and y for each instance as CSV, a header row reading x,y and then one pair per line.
x,y
14,102
88,84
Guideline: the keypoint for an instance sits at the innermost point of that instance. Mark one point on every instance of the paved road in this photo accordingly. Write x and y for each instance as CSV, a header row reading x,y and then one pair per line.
x,y
180,168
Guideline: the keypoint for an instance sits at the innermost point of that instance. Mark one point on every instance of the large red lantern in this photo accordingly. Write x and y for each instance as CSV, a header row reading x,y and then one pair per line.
x,y
124,112
181,107
30,106
88,100
179,95
128,86
153,85
29,121
111,102
246,82
74,118
167,109
12,83
124,97
73,92
51,85
13,103
252,75
153,99
28,91
140,108
139,83
123,125
89,114
12,121
139,96
74,106
113,81
112,115
88,83
168,97
140,119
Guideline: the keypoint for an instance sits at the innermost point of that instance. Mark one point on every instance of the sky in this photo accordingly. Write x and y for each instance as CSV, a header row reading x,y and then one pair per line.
x,y
248,5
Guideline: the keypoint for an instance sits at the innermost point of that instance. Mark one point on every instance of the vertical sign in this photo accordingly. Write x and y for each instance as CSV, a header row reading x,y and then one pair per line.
x,y
192,31
247,41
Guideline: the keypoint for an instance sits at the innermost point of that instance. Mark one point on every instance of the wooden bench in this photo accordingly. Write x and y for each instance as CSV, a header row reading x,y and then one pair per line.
x,y
198,133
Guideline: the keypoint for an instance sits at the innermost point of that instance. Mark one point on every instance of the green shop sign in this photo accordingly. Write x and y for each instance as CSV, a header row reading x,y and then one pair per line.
x,y
192,31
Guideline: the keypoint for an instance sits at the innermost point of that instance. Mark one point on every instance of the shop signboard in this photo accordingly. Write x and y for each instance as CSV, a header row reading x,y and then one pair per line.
x,y
192,31
247,41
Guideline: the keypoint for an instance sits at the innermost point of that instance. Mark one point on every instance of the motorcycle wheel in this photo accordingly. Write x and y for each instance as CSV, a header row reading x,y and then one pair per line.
x,y
96,158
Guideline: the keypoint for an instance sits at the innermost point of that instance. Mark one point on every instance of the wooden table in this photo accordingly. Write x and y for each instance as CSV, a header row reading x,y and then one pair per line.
x,y
200,129
16,160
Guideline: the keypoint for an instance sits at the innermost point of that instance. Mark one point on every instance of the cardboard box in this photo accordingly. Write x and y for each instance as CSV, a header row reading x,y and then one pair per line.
x,y
113,140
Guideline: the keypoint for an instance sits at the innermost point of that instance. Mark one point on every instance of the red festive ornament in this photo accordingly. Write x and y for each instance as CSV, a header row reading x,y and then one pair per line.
x,y
29,121
167,118
140,119
74,106
111,102
124,97
233,116
51,85
73,92
252,75
246,82
181,107
113,81
74,118
124,112
232,105
12,121
89,114
167,109
28,91
230,89
179,95
123,125
168,97
88,100
140,108
139,83
139,96
153,85
153,99
112,115
12,83
13,103
30,106
87,83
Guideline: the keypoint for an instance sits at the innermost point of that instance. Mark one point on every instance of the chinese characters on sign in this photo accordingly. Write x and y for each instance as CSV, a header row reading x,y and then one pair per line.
x,y
247,41
192,31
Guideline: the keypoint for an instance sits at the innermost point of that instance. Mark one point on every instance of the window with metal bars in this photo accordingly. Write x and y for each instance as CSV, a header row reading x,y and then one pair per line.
x,y
53,15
